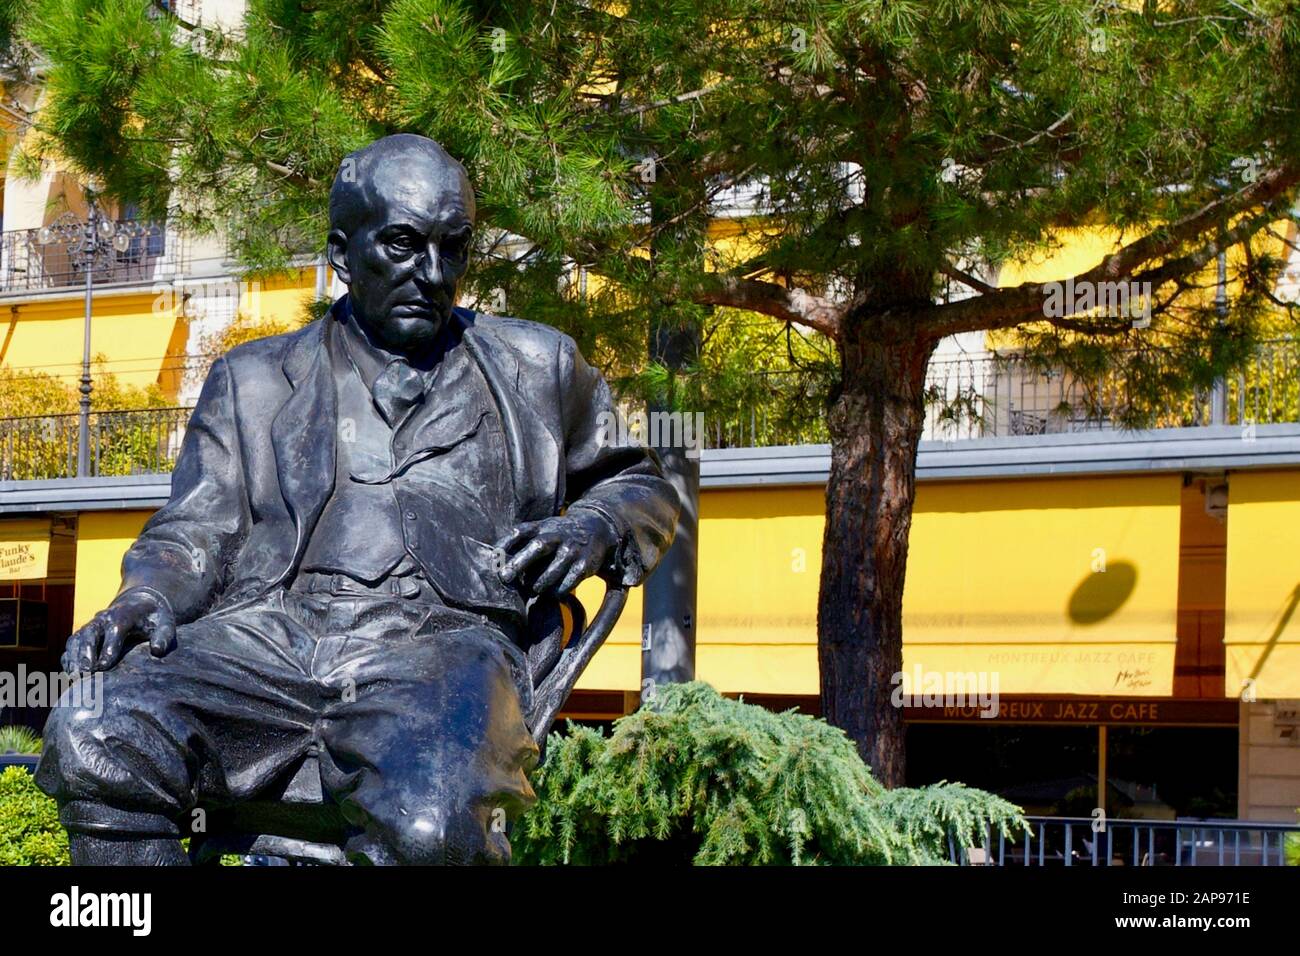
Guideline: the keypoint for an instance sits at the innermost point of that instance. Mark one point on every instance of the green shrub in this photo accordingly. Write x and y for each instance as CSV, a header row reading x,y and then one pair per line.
x,y
697,778
30,832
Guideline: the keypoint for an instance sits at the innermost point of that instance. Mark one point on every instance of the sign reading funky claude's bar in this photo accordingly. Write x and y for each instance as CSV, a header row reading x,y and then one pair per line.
x,y
24,550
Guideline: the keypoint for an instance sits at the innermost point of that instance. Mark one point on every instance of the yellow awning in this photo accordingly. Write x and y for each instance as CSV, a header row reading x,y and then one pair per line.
x,y
1000,578
1056,586
1262,628
760,561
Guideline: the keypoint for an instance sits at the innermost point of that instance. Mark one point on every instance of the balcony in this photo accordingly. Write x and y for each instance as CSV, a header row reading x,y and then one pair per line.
x,y
137,442
987,395
33,260
1066,423
1003,396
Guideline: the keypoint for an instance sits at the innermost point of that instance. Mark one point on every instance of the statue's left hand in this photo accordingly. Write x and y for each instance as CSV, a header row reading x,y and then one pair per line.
x,y
557,553
135,615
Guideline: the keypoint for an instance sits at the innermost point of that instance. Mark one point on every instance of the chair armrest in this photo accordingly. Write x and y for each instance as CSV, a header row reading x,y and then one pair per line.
x,y
554,689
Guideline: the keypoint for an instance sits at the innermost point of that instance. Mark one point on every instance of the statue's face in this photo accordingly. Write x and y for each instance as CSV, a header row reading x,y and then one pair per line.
x,y
403,264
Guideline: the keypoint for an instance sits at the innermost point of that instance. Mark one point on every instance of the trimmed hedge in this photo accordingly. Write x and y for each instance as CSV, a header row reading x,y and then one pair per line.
x,y
30,832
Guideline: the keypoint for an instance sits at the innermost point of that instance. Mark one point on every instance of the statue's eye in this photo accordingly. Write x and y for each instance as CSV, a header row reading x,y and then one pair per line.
x,y
402,244
456,247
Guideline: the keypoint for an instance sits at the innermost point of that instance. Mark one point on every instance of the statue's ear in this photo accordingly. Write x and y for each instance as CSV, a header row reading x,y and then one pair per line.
x,y
336,254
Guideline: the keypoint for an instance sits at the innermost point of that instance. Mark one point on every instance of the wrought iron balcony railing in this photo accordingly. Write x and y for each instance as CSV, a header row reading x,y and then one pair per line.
x,y
1001,396
995,397
135,442
51,257
988,396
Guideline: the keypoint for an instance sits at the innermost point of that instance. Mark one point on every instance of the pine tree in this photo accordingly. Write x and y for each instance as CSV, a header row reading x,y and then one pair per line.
x,y
891,150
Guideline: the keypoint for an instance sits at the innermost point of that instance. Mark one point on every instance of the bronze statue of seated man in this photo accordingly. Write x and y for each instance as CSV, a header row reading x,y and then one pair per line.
x,y
363,514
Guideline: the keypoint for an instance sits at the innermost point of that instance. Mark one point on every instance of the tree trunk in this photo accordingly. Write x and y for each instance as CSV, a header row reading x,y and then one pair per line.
x,y
875,427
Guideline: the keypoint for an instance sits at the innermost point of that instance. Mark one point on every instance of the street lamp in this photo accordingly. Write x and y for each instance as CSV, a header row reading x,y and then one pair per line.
x,y
86,242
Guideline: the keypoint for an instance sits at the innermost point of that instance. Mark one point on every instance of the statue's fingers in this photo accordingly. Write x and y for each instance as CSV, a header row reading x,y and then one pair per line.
x,y
112,645
162,638
88,646
516,536
579,570
79,645
71,654
557,569
531,552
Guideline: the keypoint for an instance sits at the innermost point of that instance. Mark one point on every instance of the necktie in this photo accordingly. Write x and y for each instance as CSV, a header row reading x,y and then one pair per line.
x,y
396,389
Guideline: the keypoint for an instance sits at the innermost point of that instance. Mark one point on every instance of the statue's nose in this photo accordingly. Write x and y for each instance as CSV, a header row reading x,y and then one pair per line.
x,y
431,272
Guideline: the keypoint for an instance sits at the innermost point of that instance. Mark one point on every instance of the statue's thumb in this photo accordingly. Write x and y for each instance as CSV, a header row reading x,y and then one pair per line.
x,y
162,638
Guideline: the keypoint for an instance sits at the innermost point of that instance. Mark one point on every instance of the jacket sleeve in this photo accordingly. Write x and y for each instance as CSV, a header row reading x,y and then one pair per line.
x,y
182,552
608,474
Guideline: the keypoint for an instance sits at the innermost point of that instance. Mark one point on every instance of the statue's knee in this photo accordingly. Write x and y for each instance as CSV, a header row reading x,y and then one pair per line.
x,y
437,837
420,838
74,735
73,763
102,749
72,727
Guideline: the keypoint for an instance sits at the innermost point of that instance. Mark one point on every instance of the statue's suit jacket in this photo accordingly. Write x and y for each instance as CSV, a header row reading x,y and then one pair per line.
x,y
257,465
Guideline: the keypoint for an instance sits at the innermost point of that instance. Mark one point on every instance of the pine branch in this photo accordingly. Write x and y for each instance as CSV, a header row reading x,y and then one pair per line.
x,y
1005,308
788,305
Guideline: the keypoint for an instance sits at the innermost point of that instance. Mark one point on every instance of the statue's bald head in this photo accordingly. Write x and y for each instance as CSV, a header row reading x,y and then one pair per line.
x,y
401,224
392,163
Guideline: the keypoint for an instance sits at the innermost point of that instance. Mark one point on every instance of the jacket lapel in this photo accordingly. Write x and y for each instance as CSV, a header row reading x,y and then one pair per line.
x,y
533,450
303,432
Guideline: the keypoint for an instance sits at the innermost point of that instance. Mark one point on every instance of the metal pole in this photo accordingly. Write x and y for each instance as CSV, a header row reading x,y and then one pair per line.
x,y
668,617
1219,391
1101,769
87,253
668,614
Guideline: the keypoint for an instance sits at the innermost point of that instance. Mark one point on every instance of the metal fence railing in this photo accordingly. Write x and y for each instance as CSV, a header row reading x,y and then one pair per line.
x,y
1072,841
987,396
977,397
50,257
132,442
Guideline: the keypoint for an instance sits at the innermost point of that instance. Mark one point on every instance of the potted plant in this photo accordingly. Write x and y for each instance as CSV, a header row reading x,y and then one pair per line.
x,y
19,746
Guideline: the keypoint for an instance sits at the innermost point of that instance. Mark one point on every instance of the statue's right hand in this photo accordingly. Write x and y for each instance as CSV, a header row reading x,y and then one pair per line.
x,y
135,616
